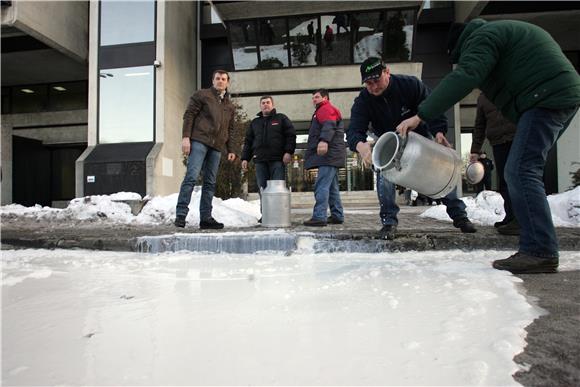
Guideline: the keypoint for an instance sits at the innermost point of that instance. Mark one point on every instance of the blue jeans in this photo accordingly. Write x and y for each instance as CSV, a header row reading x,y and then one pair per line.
x,y
538,130
389,208
269,170
327,194
201,158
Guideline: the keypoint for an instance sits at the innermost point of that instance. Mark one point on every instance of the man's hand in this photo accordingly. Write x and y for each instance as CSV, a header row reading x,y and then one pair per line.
x,y
473,157
322,148
244,165
186,146
441,139
408,124
231,157
364,150
287,158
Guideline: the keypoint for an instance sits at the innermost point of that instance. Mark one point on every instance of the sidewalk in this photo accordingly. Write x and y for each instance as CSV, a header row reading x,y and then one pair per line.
x,y
358,233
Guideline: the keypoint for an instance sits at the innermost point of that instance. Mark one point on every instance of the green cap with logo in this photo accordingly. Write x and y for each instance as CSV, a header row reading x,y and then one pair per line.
x,y
371,68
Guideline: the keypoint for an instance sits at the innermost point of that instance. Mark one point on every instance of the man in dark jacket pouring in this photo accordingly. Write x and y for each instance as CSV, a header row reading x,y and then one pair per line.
x,y
523,72
270,141
386,101
327,152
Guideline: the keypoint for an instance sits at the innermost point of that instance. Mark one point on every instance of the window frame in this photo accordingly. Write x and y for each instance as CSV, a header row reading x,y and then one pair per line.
x,y
318,15
116,57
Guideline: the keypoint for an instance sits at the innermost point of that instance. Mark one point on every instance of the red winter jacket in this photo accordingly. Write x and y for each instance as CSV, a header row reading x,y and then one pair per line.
x,y
327,126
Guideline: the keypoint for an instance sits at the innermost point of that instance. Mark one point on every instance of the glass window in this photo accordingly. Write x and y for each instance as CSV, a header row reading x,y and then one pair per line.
x,y
367,35
29,99
303,41
336,39
68,96
244,47
399,36
273,44
126,104
124,22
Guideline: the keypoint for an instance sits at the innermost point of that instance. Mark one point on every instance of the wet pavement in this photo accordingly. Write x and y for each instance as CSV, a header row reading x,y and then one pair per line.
x,y
359,231
552,356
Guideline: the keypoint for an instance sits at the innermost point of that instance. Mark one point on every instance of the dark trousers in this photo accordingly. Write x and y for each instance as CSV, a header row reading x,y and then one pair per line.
x,y
538,130
268,170
500,155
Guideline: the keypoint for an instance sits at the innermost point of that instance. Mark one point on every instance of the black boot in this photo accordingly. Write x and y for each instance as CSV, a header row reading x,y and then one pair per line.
x,y
512,228
210,223
334,220
179,221
521,263
314,223
388,232
502,222
464,225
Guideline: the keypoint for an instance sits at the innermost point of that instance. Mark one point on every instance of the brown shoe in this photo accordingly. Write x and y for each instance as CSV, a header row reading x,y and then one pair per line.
x,y
315,223
521,263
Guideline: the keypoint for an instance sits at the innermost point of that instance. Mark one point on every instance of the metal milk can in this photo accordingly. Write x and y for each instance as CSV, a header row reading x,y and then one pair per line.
x,y
417,163
276,204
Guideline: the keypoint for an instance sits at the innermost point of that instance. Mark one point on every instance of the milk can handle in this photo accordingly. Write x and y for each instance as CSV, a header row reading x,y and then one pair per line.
x,y
399,154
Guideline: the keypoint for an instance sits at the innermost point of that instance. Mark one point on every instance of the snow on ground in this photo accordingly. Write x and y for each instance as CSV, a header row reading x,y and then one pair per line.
x,y
158,210
487,208
416,318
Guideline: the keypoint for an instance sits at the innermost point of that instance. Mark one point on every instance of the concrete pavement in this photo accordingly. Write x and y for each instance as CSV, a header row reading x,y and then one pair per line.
x,y
552,357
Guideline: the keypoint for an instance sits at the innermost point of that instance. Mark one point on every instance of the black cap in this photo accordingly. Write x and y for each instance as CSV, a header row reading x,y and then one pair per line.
x,y
371,68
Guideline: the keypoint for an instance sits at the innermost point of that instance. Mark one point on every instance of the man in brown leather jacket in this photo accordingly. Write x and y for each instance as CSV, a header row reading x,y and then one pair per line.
x,y
208,123
500,132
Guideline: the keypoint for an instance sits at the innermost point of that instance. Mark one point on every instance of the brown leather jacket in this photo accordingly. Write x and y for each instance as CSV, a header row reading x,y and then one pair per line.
x,y
209,120
490,123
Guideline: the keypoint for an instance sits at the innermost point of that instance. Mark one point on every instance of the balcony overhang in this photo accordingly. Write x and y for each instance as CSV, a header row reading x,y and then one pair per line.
x,y
261,9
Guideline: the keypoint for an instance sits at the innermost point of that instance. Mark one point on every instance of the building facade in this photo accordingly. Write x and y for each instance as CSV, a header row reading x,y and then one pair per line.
x,y
93,93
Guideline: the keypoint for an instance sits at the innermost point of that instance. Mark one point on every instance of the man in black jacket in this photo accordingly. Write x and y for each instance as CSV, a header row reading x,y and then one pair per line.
x,y
270,142
385,101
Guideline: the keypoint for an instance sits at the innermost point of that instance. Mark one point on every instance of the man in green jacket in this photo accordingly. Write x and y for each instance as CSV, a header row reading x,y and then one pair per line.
x,y
524,72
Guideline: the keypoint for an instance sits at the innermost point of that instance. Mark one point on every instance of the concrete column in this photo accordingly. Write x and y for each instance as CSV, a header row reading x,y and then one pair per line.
x,y
175,83
93,96
6,165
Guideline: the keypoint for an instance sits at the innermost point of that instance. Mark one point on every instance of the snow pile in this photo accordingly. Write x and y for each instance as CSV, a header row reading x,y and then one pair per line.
x,y
157,210
487,208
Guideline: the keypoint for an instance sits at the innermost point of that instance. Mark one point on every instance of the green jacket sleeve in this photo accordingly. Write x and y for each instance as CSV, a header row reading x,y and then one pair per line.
x,y
479,56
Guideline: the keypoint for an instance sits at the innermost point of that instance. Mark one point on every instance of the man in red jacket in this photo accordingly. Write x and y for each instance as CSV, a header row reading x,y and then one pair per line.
x,y
327,152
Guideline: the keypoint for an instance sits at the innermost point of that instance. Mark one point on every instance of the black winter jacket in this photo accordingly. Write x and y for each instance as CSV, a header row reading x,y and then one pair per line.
x,y
269,137
398,102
